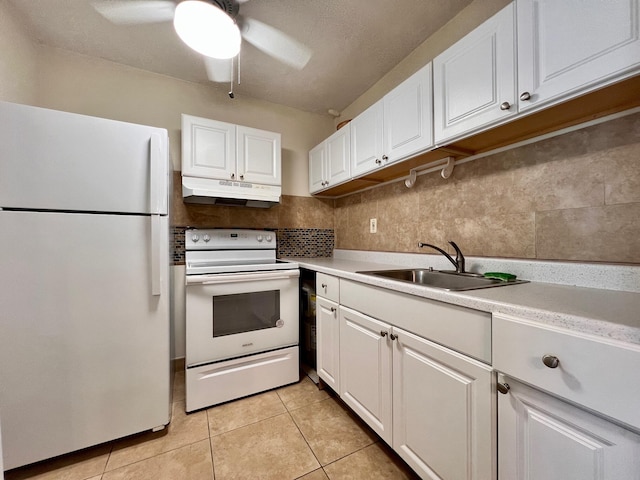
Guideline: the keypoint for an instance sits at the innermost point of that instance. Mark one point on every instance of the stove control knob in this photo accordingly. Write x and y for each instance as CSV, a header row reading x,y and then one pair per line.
x,y
195,238
206,237
259,238
269,238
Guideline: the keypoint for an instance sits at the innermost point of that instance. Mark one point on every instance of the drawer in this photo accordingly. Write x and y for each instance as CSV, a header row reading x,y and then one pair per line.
x,y
600,374
328,287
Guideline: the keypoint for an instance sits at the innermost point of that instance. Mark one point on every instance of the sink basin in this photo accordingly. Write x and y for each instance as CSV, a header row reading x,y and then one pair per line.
x,y
442,279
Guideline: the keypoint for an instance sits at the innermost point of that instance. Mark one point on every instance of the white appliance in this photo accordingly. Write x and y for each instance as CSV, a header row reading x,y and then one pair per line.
x,y
241,316
84,272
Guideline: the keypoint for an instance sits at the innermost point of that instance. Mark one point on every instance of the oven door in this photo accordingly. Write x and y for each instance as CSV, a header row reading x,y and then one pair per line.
x,y
232,315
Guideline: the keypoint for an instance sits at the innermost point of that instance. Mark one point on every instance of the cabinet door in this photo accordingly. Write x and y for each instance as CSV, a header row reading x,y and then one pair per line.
x,y
568,48
474,80
259,157
365,369
543,438
443,411
338,155
317,166
366,140
408,116
328,342
208,148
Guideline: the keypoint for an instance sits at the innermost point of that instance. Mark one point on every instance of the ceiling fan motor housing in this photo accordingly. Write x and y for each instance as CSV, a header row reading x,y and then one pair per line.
x,y
230,7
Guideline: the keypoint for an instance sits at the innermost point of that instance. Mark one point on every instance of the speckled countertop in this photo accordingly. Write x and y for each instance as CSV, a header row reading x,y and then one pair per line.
x,y
603,313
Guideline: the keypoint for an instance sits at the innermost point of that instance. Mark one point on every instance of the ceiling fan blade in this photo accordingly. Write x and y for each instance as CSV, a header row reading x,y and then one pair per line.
x,y
218,70
276,43
135,12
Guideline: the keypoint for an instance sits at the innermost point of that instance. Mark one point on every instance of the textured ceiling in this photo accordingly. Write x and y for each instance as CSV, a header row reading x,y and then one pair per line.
x,y
354,44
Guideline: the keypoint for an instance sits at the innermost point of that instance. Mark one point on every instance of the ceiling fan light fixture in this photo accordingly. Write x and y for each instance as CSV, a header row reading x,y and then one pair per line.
x,y
207,29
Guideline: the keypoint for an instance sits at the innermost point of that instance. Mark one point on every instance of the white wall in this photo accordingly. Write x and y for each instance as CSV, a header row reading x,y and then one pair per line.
x,y
93,86
18,58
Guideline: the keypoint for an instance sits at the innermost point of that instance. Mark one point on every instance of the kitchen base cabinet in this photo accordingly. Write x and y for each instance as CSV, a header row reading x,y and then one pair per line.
x,y
543,438
365,369
328,338
328,330
443,411
433,405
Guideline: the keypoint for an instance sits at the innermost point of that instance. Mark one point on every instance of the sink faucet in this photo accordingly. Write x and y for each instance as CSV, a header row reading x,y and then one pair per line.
x,y
458,262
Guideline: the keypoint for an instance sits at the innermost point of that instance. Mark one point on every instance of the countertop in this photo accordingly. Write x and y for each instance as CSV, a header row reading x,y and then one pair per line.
x,y
610,314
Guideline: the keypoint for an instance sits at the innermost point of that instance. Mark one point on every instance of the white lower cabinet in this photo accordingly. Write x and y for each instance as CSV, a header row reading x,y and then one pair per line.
x,y
328,342
543,438
365,369
577,416
434,406
443,411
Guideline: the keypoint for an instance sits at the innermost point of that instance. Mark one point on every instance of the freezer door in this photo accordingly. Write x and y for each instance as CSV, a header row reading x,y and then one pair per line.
x,y
64,161
84,342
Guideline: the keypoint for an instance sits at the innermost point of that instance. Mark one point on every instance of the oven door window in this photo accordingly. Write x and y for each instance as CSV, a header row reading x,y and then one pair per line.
x,y
245,312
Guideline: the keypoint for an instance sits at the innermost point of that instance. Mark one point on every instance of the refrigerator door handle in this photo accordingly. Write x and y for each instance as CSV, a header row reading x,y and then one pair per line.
x,y
156,273
157,177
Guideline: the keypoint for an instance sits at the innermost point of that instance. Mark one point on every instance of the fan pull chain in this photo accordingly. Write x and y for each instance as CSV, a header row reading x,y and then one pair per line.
x,y
231,95
239,67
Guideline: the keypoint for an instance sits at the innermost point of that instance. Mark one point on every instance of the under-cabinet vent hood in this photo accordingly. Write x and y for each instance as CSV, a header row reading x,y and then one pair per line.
x,y
209,191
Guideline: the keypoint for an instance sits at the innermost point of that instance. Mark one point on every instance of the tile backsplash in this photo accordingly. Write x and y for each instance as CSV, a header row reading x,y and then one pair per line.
x,y
572,197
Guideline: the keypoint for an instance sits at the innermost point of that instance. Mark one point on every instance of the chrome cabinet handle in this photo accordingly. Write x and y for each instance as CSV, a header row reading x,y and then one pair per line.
x,y
241,177
525,96
233,175
378,161
383,333
551,361
333,309
505,106
385,158
503,388
324,285
392,336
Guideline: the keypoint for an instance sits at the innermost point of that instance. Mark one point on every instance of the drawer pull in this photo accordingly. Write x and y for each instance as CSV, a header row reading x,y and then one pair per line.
x,y
551,361
503,388
383,333
392,336
333,309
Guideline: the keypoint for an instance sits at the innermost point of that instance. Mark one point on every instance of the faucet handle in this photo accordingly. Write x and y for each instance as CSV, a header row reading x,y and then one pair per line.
x,y
459,257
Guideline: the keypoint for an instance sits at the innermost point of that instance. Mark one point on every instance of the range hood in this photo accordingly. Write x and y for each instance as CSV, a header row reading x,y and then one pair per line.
x,y
208,191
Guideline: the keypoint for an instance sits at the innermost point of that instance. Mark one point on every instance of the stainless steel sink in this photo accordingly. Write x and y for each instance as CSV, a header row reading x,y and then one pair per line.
x,y
442,279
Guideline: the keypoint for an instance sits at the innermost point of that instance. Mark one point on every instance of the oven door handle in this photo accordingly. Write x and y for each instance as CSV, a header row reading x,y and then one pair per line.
x,y
241,277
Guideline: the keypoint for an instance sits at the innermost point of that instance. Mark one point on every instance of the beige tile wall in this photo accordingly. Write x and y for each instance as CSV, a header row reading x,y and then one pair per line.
x,y
572,197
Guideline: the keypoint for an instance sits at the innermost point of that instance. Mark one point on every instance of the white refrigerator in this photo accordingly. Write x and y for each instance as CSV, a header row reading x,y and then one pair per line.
x,y
84,281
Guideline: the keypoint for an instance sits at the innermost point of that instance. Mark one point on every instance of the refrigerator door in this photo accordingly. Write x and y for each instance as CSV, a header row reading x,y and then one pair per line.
x,y
84,342
63,161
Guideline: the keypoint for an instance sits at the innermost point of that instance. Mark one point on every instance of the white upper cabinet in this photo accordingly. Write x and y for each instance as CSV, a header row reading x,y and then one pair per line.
x,y
259,156
366,140
317,167
408,117
208,148
224,151
329,162
567,48
474,80
396,127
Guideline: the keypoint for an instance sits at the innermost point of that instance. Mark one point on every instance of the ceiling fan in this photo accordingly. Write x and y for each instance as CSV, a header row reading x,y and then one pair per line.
x,y
203,22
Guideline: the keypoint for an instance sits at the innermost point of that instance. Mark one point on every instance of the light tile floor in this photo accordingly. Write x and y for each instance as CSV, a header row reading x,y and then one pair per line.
x,y
294,432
